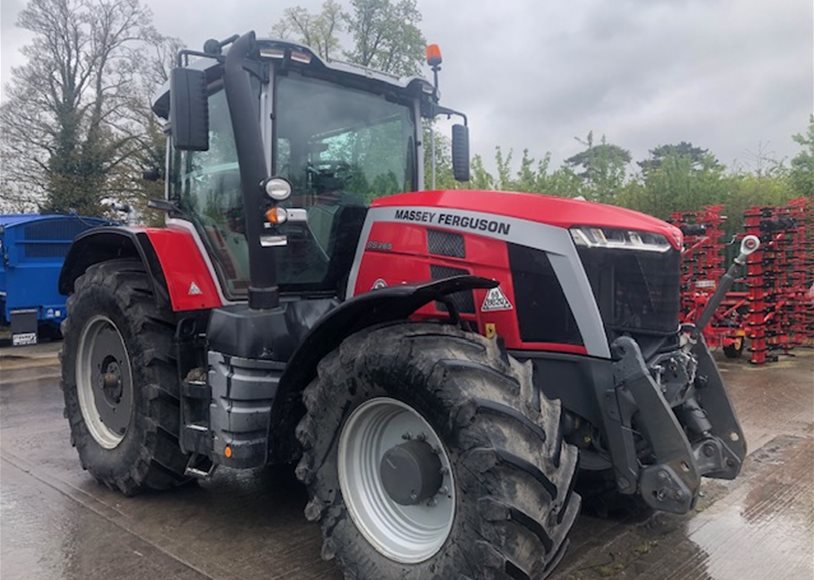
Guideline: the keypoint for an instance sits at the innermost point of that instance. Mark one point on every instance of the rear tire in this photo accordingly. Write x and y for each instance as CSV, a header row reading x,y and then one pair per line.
x,y
512,475
113,321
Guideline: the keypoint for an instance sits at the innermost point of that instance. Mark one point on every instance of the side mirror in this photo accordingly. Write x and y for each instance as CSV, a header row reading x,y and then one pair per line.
x,y
189,109
460,152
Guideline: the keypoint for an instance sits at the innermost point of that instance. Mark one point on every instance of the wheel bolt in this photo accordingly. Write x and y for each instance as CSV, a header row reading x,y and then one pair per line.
x,y
432,502
407,436
421,436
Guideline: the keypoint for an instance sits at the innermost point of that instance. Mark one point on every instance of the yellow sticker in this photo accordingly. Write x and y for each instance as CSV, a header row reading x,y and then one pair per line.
x,y
490,329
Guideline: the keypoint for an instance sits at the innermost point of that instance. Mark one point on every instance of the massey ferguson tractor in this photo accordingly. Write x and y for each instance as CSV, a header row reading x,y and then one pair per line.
x,y
436,364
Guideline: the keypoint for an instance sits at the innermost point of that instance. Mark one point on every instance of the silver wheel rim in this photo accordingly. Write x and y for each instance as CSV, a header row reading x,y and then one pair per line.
x,y
406,534
104,382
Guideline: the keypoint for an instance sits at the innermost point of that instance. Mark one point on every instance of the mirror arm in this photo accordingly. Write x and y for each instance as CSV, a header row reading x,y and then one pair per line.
x,y
182,58
441,110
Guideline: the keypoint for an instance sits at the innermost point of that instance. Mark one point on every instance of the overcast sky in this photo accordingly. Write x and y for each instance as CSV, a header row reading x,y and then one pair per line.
x,y
734,76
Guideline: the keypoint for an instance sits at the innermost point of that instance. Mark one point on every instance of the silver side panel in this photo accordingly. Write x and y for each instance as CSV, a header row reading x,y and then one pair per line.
x,y
555,241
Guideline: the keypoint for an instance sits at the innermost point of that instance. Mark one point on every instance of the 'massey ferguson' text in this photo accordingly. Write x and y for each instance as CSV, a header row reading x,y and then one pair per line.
x,y
454,221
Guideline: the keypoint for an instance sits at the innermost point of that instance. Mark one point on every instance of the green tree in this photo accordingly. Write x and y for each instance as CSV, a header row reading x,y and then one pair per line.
x,y
678,177
697,156
150,155
71,121
801,173
444,178
531,177
317,30
601,167
480,177
385,35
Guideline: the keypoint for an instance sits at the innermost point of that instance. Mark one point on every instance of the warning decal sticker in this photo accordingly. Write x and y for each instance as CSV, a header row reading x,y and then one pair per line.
x,y
495,300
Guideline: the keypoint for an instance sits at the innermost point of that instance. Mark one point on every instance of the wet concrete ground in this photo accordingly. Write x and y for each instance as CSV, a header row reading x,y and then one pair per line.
x,y
57,522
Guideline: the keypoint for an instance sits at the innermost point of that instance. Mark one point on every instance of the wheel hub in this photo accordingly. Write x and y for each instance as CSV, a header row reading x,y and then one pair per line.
x,y
398,489
411,472
104,381
111,380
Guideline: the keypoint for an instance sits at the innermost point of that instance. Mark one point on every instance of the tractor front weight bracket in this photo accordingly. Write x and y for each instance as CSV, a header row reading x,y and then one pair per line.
x,y
671,483
724,446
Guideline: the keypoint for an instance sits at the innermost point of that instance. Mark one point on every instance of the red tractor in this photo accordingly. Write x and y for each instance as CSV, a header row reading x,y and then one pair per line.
x,y
437,365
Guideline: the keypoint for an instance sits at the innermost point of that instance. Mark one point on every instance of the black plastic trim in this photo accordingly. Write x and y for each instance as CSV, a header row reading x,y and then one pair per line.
x,y
263,291
109,243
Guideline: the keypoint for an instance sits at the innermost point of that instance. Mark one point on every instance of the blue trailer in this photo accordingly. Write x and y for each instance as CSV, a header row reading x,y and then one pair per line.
x,y
32,249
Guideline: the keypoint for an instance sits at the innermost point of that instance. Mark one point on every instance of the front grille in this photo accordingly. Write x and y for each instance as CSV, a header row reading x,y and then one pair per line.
x,y
543,313
464,301
445,244
635,290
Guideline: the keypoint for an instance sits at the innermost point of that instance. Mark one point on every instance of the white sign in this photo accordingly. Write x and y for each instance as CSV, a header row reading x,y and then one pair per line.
x,y
24,338
495,300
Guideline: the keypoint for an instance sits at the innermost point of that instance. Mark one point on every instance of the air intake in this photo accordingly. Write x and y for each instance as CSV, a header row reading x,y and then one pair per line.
x,y
445,244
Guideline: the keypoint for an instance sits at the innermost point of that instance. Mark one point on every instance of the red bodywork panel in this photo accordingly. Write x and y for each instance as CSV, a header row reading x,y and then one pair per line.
x,y
556,211
397,251
408,262
185,269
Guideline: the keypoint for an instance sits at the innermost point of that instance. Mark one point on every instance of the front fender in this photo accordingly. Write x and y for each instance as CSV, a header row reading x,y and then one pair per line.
x,y
375,307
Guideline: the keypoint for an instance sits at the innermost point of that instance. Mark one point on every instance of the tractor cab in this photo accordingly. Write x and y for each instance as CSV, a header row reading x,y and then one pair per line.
x,y
334,135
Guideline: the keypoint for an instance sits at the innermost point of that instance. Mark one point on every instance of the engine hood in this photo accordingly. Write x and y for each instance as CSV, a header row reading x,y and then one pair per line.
x,y
554,211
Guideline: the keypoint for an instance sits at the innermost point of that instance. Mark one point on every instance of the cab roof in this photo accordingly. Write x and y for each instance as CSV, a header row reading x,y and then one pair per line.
x,y
282,49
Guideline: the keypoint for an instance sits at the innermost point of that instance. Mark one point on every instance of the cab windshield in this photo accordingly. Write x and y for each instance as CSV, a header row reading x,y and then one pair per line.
x,y
340,147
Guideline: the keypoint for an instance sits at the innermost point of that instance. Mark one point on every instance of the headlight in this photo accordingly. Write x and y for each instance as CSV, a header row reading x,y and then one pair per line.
x,y
617,239
277,188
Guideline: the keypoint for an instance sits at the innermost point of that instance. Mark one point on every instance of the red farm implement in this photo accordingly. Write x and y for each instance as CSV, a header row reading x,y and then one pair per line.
x,y
772,305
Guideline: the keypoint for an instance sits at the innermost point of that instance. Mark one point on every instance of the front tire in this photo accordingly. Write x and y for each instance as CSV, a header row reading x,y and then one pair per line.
x,y
119,381
504,505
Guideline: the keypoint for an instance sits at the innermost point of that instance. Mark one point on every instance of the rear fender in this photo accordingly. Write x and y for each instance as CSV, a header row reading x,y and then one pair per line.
x,y
180,272
110,243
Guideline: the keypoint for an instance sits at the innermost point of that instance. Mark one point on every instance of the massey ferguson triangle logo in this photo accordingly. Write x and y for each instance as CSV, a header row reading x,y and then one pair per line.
x,y
495,300
194,290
